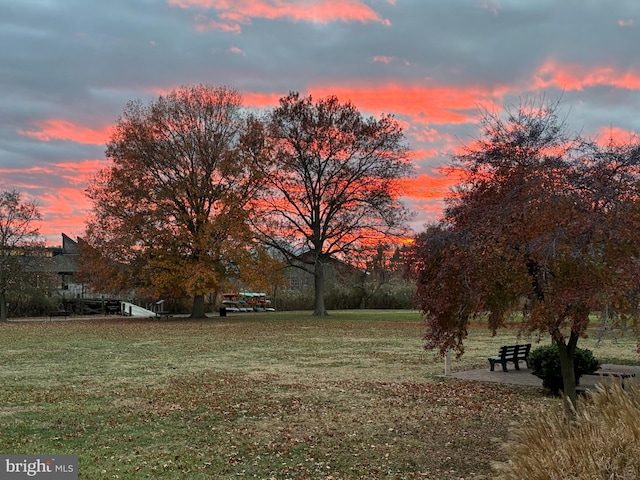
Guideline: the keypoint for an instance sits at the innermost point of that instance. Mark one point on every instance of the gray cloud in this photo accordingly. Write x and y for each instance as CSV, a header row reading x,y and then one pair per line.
x,y
73,65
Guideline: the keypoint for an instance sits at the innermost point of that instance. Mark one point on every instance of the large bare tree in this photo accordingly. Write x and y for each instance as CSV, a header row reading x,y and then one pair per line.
x,y
170,212
333,183
20,242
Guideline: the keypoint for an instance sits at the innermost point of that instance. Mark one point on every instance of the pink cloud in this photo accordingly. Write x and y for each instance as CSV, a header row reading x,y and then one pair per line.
x,y
432,186
232,14
63,211
578,77
237,50
59,129
424,104
419,154
261,100
615,135
59,191
203,23
382,59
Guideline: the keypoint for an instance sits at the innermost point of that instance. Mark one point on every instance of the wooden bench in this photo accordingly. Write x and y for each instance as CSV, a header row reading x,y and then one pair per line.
x,y
59,313
511,353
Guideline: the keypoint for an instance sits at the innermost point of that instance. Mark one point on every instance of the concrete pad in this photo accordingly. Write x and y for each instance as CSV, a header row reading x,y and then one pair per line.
x,y
525,377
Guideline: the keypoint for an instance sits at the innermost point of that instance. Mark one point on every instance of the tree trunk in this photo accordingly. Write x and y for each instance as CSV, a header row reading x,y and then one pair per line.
x,y
198,307
566,352
3,307
318,283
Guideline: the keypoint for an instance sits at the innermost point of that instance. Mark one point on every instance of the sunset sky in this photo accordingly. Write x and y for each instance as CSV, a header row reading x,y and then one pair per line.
x,y
68,67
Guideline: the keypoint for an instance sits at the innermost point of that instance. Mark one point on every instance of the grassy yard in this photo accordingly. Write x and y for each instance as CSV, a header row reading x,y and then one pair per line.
x,y
274,395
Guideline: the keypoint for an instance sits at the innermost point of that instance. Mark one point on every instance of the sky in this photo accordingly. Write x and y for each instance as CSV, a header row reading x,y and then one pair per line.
x,y
68,68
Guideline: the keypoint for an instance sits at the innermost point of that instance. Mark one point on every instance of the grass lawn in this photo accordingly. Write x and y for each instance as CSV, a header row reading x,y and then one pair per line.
x,y
273,395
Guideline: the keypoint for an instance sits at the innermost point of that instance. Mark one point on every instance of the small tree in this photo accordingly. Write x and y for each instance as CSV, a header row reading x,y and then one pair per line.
x,y
170,215
543,224
332,179
20,242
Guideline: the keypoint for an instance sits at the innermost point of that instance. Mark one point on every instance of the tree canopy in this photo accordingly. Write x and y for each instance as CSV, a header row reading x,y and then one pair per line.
x,y
543,224
19,240
332,182
170,214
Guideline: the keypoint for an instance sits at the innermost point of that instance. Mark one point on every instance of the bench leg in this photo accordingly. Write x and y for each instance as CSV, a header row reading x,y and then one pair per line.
x,y
504,366
493,364
516,363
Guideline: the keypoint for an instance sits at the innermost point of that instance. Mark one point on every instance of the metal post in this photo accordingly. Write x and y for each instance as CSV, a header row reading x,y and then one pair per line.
x,y
447,363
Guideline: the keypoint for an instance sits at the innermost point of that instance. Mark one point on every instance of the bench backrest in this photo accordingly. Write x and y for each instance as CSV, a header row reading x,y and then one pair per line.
x,y
509,351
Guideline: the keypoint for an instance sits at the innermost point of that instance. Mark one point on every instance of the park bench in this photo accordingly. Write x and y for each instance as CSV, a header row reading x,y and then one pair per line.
x,y
511,353
59,313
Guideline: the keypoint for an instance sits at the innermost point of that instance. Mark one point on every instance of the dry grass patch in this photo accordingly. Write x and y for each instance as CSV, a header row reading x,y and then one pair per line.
x,y
602,441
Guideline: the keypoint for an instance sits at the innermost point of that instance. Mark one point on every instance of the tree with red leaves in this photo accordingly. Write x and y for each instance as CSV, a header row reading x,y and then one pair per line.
x,y
543,225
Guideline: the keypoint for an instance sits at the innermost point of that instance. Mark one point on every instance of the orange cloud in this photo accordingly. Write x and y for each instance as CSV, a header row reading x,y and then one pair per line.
x,y
58,129
432,210
261,100
431,186
234,13
578,77
424,104
64,202
63,211
615,135
417,154
59,191
79,173
74,172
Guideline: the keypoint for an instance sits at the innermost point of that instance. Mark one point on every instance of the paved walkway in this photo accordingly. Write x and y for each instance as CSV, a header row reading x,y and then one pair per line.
x,y
525,377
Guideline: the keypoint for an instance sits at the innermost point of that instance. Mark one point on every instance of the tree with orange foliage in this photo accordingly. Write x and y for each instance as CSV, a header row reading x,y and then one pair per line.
x,y
170,214
543,224
332,179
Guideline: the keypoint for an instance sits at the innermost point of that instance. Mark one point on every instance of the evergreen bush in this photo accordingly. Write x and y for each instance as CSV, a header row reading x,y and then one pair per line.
x,y
545,364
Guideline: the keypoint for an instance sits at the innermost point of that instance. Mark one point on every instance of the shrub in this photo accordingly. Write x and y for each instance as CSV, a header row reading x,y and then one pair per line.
x,y
343,298
545,364
601,441
294,300
30,304
393,297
